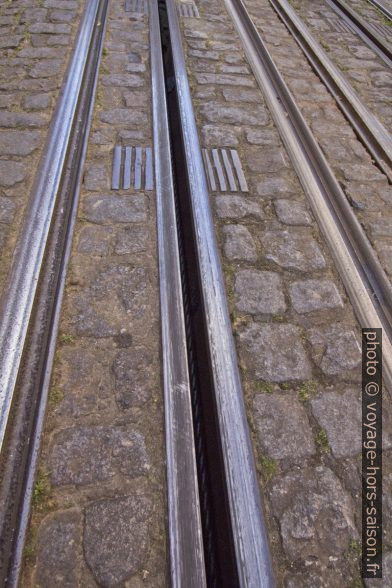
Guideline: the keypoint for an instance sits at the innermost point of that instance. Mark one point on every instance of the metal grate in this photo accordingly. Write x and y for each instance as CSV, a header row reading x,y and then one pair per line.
x,y
224,170
381,29
137,6
132,168
340,26
188,10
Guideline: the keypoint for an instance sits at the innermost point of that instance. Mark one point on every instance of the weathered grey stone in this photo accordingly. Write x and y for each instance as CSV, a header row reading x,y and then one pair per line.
x,y
233,69
11,172
61,4
135,98
62,15
237,207
84,455
384,251
95,240
381,228
37,101
88,321
239,243
49,28
124,116
38,52
222,136
58,40
96,178
9,100
224,79
262,137
234,114
18,142
119,209
311,295
132,239
116,538
10,41
282,426
134,374
386,580
292,212
46,68
232,95
293,250
362,173
259,292
276,352
58,550
315,514
335,349
266,160
126,80
20,119
7,210
274,187
340,416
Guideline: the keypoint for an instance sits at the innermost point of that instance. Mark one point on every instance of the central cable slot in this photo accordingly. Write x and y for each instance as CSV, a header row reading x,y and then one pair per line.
x,y
219,550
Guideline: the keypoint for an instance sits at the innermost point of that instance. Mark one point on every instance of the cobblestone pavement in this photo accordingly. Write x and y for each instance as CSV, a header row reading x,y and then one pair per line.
x,y
296,335
36,38
99,504
366,188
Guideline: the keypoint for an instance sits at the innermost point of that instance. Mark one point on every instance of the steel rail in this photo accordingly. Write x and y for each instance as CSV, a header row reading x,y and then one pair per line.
x,y
19,296
367,33
23,439
375,137
366,283
187,566
249,534
382,8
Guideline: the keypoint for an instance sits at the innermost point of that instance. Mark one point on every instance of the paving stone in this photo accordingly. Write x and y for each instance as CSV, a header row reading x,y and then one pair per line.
x,y
259,292
293,250
58,40
89,454
274,187
7,210
362,173
46,68
234,69
222,136
315,514
116,538
130,240
386,580
18,142
119,209
262,137
9,100
234,115
61,4
11,172
292,212
276,352
96,178
237,207
62,15
10,41
124,116
134,98
224,79
37,101
134,372
335,350
232,95
95,240
49,28
385,254
58,545
88,321
265,160
381,228
282,426
311,295
38,52
340,416
239,243
126,80
20,119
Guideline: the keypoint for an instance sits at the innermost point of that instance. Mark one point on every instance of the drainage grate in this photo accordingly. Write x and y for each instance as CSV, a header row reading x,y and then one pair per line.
x,y
381,29
224,170
188,10
132,167
138,6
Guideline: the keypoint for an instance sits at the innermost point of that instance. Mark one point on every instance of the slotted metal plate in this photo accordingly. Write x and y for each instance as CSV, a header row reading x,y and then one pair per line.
x,y
132,168
188,10
136,6
224,170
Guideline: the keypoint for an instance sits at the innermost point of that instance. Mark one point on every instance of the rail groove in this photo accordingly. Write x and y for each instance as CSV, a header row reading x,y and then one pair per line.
x,y
372,133
366,283
382,8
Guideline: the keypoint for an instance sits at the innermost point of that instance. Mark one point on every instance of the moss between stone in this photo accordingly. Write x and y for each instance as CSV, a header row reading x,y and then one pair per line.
x,y
307,391
322,441
265,387
269,467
